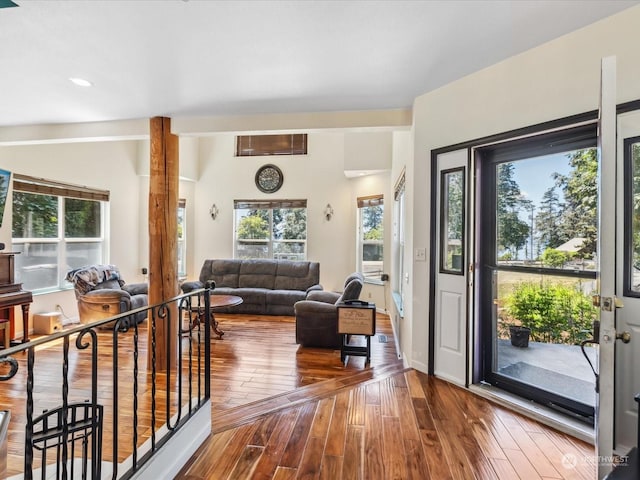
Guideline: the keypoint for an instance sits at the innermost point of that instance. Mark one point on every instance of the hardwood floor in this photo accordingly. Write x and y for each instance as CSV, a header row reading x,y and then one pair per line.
x,y
345,422
401,425
283,411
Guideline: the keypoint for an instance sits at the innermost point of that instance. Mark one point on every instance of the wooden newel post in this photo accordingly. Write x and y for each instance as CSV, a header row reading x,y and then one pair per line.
x,y
163,237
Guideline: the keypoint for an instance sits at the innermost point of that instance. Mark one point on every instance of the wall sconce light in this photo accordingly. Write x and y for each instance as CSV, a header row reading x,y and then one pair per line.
x,y
328,212
213,211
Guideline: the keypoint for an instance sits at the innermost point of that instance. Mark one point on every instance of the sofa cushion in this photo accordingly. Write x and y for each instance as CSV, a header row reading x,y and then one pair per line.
x,y
284,297
291,275
225,272
257,274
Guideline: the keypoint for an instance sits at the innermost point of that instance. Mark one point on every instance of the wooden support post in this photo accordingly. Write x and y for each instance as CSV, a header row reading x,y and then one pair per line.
x,y
163,237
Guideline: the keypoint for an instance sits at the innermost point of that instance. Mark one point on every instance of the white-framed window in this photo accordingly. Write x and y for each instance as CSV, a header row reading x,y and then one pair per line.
x,y
270,229
182,238
56,227
399,281
371,237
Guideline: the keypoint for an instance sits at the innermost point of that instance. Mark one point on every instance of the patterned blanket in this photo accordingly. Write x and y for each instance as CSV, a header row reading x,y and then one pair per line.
x,y
85,279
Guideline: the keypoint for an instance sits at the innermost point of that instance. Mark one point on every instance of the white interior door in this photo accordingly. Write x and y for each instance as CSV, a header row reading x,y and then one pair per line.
x,y
450,344
627,381
608,221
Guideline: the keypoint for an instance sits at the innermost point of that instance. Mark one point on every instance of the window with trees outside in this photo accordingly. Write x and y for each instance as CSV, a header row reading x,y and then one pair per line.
x,y
371,237
56,227
271,229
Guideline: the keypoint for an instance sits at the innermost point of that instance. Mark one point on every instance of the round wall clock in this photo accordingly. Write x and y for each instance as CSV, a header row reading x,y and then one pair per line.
x,y
269,178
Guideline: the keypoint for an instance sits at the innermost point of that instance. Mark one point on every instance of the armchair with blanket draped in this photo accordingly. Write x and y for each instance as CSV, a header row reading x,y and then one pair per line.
x,y
102,293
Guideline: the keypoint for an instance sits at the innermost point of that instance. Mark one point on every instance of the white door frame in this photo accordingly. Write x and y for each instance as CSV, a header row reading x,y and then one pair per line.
x,y
607,265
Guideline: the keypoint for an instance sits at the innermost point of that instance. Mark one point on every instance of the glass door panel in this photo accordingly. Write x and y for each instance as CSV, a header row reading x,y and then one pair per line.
x,y
538,255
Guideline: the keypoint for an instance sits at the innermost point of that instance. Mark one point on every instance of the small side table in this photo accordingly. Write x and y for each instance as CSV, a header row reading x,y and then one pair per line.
x,y
356,317
346,349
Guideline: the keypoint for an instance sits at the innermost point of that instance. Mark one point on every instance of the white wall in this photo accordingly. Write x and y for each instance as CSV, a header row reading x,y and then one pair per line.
x,y
366,151
374,185
104,165
318,177
402,159
555,80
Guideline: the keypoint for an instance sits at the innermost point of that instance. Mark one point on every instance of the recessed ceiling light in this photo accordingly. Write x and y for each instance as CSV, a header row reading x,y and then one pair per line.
x,y
81,82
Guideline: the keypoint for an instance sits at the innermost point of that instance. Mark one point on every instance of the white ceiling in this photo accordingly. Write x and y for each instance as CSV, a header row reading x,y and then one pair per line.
x,y
180,58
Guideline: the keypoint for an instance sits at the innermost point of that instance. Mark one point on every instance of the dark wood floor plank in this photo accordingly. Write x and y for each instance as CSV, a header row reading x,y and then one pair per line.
x,y
554,455
322,419
373,394
309,467
331,468
463,455
583,454
374,452
338,427
275,446
296,444
265,430
357,406
521,464
388,404
211,450
233,451
395,465
504,469
353,464
285,473
415,460
436,460
246,463
526,444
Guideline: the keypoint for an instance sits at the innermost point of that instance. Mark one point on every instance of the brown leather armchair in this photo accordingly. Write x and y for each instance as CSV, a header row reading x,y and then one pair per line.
x,y
102,293
317,317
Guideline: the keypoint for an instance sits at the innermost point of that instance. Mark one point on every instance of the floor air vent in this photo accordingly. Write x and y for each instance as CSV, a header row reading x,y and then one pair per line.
x,y
382,339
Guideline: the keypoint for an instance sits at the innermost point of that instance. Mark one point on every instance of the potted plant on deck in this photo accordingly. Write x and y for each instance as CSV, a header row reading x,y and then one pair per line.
x,y
519,335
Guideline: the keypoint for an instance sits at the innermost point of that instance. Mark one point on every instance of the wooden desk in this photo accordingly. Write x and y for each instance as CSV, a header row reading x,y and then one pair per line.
x,y
12,295
13,299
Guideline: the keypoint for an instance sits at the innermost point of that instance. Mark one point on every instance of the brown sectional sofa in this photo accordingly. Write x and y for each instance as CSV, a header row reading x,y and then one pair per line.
x,y
268,287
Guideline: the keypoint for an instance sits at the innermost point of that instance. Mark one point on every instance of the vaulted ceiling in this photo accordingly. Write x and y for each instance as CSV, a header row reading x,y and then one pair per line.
x,y
181,58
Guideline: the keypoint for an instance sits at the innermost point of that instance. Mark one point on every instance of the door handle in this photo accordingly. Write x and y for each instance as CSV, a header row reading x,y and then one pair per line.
x,y
624,336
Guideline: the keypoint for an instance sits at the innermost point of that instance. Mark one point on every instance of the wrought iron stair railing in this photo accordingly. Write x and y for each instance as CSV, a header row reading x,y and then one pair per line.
x,y
117,403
